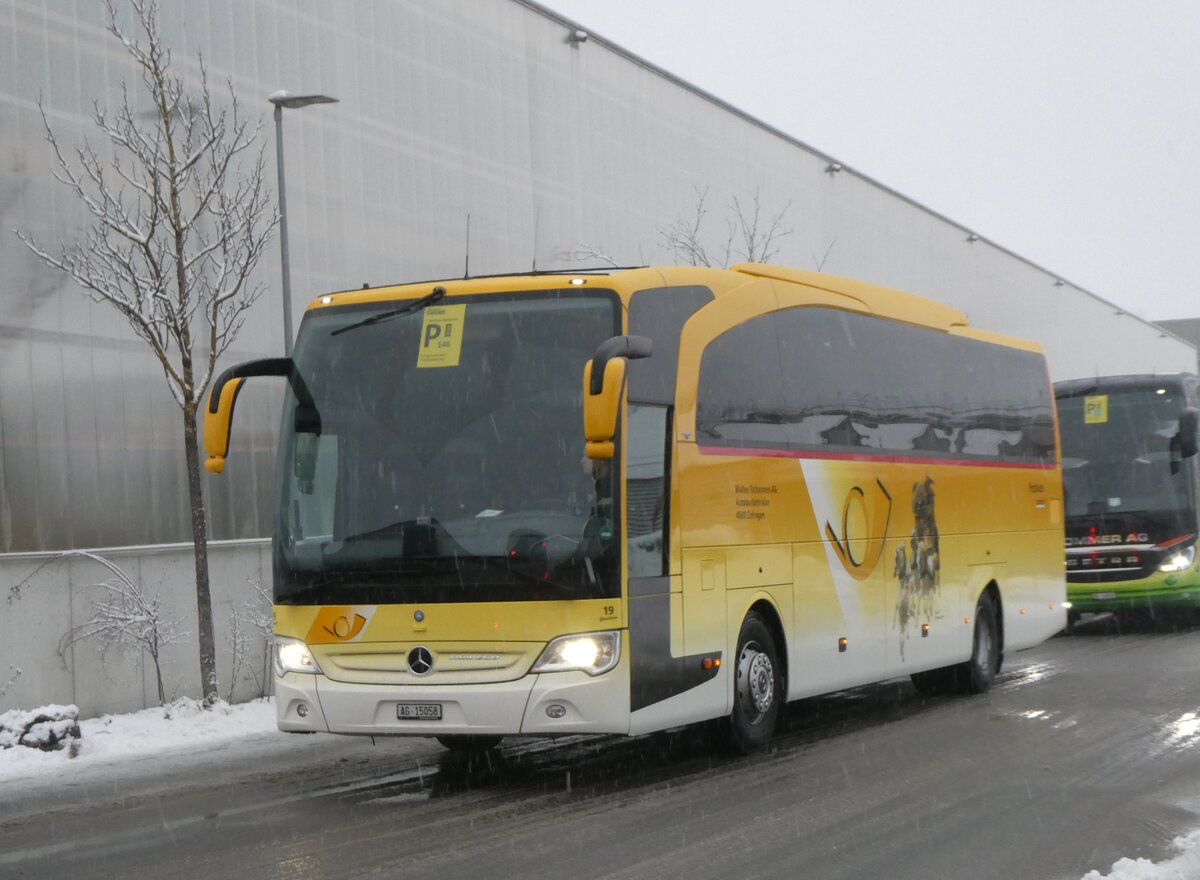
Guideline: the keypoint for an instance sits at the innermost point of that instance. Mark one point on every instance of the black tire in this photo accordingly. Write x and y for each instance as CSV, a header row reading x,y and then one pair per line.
x,y
978,673
470,744
758,687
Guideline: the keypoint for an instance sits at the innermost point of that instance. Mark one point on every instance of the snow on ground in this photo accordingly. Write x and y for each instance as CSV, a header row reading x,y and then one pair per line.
x,y
165,739
169,749
1184,866
115,741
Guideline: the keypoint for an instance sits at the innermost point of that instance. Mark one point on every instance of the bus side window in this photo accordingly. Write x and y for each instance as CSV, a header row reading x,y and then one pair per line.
x,y
646,489
660,313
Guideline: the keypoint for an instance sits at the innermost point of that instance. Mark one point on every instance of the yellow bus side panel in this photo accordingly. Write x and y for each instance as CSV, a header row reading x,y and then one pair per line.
x,y
887,556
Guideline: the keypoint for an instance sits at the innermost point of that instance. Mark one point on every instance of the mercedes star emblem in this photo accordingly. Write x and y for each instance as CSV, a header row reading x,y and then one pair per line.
x,y
420,660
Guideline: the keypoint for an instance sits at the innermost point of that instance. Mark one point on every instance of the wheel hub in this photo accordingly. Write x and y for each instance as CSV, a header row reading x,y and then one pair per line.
x,y
756,682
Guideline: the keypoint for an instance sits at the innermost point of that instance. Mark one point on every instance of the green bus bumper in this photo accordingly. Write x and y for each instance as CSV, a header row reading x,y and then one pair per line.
x,y
1179,589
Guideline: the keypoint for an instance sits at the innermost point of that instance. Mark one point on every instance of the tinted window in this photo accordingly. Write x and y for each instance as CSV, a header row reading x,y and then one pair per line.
x,y
660,313
854,382
741,401
646,484
1120,452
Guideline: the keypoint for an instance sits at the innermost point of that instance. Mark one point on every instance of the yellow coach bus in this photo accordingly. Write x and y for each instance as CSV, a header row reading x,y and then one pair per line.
x,y
772,484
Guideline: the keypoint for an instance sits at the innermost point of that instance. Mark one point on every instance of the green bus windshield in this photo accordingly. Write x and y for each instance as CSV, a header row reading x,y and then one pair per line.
x,y
1121,469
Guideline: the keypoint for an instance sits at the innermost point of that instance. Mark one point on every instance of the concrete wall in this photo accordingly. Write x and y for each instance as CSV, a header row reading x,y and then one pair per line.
x,y
57,593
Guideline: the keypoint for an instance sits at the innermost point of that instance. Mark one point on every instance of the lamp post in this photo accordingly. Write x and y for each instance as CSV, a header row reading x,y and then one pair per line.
x,y
283,99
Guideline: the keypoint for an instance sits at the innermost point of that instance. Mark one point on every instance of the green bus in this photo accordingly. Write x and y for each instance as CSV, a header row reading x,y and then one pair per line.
x,y
1130,481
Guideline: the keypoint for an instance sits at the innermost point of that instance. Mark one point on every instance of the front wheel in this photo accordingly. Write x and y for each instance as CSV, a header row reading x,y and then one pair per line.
x,y
758,687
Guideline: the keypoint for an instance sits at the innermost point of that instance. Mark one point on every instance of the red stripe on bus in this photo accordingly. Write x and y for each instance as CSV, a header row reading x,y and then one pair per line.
x,y
754,452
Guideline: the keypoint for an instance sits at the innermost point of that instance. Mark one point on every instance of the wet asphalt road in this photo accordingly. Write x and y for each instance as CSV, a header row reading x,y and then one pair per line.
x,y
1087,750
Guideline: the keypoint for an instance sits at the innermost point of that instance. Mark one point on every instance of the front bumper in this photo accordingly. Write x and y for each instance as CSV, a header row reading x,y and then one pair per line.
x,y
583,704
1159,590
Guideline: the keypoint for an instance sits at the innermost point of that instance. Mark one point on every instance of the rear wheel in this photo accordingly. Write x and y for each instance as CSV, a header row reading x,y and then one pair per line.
x,y
758,687
978,673
470,743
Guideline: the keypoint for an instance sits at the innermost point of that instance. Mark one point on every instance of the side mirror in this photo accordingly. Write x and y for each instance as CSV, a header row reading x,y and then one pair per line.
x,y
1189,421
603,383
218,417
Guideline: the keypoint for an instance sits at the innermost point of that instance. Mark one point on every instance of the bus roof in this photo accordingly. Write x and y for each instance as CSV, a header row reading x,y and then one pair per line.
x,y
881,301
1075,387
860,296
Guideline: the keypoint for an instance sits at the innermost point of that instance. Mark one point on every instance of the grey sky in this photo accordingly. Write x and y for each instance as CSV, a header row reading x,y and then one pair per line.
x,y
1065,130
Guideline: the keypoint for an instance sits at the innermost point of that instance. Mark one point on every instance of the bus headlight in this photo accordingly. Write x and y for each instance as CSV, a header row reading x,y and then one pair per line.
x,y
292,655
593,653
1179,560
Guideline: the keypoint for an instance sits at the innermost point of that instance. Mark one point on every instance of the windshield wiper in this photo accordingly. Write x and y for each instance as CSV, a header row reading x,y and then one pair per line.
x,y
415,306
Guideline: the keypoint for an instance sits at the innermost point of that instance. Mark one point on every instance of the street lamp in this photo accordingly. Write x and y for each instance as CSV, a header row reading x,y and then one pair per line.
x,y
283,99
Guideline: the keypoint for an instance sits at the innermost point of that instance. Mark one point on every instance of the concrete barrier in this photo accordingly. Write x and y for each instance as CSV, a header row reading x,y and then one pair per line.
x,y
57,593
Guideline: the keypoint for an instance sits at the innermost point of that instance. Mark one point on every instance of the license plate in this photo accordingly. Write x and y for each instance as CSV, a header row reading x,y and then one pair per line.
x,y
419,711
1104,595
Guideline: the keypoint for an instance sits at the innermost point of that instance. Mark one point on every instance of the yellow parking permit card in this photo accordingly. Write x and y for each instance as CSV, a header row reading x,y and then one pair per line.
x,y
441,336
1095,409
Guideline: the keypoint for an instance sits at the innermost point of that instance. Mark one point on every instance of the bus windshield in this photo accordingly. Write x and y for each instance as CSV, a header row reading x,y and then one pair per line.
x,y
441,456
1121,468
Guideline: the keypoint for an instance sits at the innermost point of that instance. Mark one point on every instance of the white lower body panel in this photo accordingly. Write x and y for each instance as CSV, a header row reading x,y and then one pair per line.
x,y
551,704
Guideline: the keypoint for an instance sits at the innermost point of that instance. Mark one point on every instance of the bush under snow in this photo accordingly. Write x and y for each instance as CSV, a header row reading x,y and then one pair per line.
x,y
49,728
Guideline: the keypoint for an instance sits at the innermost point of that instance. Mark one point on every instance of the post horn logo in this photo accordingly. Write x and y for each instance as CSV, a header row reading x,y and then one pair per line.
x,y
343,629
877,511
340,623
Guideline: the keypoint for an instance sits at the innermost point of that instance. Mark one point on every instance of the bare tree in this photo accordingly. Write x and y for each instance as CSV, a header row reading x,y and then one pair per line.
x,y
180,217
749,234
684,237
759,234
251,625
586,253
820,263
597,255
123,617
